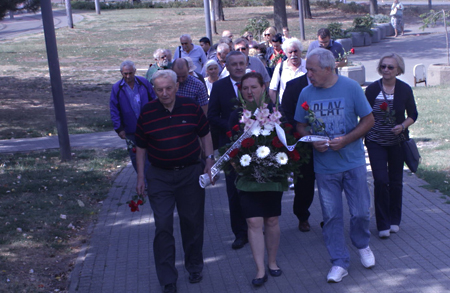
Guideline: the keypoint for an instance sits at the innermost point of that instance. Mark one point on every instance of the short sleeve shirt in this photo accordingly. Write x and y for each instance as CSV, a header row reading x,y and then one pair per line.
x,y
194,89
339,108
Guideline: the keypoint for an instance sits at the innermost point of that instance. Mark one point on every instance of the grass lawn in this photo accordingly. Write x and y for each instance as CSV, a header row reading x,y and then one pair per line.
x,y
433,138
45,209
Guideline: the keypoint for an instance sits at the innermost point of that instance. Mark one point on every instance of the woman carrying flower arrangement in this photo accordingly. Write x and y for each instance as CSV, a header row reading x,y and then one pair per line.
x,y
389,98
263,165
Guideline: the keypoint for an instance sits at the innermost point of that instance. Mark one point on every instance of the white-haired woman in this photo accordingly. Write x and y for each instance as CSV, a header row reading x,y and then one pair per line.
x,y
390,98
294,66
212,74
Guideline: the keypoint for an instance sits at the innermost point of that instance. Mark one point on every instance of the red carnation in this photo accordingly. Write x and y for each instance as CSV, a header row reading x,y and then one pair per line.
x,y
276,142
133,150
239,86
352,51
384,106
229,133
305,106
296,135
248,142
236,127
294,155
288,125
233,153
134,206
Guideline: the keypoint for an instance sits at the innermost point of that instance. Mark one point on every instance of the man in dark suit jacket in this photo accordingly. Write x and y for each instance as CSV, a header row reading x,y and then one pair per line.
x,y
304,188
222,102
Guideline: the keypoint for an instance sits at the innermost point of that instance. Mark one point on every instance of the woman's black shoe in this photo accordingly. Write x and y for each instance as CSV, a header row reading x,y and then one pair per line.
x,y
275,273
260,281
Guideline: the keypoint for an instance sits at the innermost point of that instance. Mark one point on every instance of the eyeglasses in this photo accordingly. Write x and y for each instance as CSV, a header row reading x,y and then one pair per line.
x,y
390,67
293,51
241,49
266,35
162,57
250,36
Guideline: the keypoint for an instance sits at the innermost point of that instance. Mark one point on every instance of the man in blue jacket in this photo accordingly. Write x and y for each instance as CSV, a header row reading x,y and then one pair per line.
x,y
128,97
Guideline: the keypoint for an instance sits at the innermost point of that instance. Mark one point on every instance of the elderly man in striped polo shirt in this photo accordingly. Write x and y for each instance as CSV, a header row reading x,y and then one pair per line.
x,y
168,130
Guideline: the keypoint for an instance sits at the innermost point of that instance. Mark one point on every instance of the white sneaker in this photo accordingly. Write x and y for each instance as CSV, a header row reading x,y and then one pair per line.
x,y
336,274
395,228
384,233
367,257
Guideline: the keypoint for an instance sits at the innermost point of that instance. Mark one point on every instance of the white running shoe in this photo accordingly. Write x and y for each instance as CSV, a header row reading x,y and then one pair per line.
x,y
384,234
367,257
395,228
336,274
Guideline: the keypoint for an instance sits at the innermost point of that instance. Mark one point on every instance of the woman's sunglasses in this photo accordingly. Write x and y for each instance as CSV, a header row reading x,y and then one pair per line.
x,y
390,67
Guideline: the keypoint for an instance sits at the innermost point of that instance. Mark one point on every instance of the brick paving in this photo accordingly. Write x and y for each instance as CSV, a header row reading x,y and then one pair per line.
x,y
119,257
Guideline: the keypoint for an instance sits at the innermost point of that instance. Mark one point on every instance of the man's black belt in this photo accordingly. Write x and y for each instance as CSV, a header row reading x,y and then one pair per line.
x,y
176,168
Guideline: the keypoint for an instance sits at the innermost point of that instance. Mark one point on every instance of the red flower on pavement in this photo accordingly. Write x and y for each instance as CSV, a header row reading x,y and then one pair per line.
x,y
296,135
352,51
384,106
294,155
134,206
236,127
233,153
305,106
248,142
276,142
229,134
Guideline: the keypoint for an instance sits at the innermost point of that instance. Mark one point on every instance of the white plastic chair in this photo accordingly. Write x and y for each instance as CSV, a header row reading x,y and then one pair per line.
x,y
420,74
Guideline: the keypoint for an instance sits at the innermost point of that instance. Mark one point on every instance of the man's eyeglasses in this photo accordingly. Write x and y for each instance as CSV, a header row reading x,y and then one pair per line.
x,y
266,35
162,57
250,36
241,49
390,67
293,51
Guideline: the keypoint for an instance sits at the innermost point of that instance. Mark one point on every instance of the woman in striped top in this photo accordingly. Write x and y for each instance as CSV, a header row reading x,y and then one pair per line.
x,y
390,98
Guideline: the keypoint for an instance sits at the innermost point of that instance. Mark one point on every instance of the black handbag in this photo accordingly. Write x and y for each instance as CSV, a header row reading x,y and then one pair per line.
x,y
411,154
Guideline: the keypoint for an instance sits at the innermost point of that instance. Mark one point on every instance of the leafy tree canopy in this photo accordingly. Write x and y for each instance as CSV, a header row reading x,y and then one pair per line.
x,y
16,5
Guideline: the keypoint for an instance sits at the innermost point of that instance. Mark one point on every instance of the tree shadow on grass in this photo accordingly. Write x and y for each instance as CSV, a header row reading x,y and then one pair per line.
x,y
27,106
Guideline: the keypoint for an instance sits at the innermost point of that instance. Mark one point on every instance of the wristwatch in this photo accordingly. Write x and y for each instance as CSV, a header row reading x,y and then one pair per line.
x,y
210,157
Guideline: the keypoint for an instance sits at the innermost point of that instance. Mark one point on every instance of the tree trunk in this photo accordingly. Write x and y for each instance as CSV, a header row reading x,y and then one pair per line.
x,y
429,5
373,7
294,4
218,9
307,9
280,17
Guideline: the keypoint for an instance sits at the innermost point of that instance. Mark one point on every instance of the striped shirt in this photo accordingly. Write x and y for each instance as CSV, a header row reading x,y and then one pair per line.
x,y
171,138
381,131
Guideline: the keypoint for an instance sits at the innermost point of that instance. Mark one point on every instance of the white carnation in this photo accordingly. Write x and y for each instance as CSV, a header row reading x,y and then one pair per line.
x,y
265,132
245,160
262,152
282,158
256,131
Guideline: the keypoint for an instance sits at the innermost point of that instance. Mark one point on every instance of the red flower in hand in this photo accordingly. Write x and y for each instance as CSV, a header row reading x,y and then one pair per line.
x,y
296,135
305,106
276,142
294,155
229,134
248,142
233,153
239,86
133,150
352,51
384,106
134,206
236,127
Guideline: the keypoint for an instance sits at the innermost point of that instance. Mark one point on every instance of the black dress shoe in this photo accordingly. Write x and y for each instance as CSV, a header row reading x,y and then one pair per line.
x,y
275,273
170,288
304,226
260,281
195,277
239,242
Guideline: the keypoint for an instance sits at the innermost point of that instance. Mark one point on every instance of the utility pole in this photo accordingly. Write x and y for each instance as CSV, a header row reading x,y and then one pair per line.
x,y
69,14
97,6
55,79
207,20
301,19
